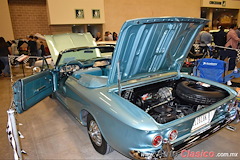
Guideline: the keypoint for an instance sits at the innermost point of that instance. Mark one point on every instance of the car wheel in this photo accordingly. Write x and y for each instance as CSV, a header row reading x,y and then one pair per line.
x,y
195,93
95,135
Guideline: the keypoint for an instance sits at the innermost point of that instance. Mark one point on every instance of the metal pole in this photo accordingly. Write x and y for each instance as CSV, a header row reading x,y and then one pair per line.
x,y
10,67
15,132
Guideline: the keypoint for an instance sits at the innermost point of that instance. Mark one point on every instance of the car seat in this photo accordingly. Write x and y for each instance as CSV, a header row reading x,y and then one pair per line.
x,y
92,71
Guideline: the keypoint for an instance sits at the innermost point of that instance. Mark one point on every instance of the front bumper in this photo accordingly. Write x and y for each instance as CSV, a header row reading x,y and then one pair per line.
x,y
168,152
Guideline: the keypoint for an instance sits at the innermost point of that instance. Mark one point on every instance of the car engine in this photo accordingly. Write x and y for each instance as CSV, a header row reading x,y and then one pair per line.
x,y
161,101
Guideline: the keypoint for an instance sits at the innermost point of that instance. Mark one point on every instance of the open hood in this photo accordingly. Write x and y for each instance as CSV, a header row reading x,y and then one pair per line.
x,y
153,45
61,42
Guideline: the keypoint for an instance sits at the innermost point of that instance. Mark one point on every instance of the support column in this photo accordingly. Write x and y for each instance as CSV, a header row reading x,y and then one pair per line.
x,y
6,30
210,17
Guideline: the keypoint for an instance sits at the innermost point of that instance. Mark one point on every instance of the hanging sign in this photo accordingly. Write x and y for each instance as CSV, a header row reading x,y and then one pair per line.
x,y
215,2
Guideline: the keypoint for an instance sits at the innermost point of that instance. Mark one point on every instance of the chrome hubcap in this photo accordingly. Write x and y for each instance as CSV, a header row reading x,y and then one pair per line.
x,y
95,133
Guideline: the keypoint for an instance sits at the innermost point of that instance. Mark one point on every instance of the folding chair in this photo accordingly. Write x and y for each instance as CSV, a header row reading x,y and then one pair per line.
x,y
212,69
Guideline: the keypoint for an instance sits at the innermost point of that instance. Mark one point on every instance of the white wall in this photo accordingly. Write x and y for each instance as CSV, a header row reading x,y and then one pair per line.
x,y
63,12
118,11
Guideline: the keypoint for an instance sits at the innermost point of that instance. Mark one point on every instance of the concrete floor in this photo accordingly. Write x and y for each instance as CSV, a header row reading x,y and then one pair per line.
x,y
52,133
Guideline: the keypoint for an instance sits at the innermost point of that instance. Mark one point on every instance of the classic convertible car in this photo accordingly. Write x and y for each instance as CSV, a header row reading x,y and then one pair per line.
x,y
137,103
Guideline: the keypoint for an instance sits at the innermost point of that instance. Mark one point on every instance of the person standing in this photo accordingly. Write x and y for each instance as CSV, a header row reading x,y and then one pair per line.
x,y
42,47
108,36
15,52
232,42
32,49
232,37
38,42
205,39
5,50
22,46
220,37
115,36
98,37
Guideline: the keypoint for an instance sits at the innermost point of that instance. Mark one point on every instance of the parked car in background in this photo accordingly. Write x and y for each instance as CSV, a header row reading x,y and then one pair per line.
x,y
137,103
106,43
82,40
108,48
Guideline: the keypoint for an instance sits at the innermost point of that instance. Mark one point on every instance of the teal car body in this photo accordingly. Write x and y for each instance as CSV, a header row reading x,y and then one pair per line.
x,y
136,103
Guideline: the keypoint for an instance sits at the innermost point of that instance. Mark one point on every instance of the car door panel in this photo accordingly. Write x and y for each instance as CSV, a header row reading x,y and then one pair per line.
x,y
29,91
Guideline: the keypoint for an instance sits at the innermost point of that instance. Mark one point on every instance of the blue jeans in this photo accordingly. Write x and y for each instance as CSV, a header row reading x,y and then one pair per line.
x,y
5,61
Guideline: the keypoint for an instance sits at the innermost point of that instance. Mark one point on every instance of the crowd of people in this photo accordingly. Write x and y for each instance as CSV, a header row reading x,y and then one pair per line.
x,y
35,47
31,46
108,36
221,40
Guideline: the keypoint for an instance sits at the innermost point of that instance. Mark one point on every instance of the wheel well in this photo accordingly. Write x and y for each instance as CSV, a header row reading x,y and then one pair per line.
x,y
83,117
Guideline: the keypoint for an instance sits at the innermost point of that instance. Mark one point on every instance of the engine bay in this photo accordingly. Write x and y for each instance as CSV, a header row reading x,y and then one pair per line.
x,y
170,100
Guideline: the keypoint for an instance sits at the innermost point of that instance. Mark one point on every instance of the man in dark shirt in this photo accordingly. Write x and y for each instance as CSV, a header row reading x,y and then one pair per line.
x,y
20,44
32,48
220,37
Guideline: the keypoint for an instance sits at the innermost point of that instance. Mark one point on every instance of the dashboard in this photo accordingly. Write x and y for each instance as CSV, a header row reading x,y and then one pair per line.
x,y
73,66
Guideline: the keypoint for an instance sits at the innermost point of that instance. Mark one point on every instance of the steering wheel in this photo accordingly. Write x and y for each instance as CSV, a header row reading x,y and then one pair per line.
x,y
70,67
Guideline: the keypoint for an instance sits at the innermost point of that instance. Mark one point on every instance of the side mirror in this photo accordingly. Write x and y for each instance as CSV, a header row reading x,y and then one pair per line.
x,y
36,70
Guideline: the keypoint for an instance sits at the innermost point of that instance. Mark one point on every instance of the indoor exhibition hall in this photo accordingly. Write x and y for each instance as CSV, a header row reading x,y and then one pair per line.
x,y
107,79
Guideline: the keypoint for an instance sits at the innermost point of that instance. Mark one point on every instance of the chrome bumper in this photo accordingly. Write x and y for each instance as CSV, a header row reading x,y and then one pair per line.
x,y
167,153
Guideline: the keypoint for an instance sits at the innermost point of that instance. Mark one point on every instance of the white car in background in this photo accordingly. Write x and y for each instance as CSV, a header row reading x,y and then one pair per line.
x,y
83,40
108,48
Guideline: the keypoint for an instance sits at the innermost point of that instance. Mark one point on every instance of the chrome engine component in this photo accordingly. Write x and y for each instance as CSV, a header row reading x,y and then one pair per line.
x,y
165,93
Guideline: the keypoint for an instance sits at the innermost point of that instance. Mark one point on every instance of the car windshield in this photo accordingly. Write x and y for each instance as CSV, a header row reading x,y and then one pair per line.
x,y
83,54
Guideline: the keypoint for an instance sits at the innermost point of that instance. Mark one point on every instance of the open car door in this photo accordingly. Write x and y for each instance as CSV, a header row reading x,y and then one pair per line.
x,y
30,90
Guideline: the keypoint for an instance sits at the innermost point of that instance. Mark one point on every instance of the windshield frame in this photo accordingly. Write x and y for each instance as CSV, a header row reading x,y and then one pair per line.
x,y
61,53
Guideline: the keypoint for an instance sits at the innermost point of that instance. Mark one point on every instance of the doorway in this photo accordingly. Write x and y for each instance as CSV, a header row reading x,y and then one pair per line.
x,y
94,28
220,16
